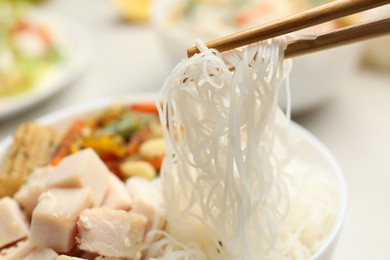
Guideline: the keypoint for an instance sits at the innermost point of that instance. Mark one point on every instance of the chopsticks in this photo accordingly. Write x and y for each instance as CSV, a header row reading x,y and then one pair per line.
x,y
338,37
311,17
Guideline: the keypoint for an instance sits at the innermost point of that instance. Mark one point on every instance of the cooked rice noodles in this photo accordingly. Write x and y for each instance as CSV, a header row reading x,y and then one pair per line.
x,y
224,176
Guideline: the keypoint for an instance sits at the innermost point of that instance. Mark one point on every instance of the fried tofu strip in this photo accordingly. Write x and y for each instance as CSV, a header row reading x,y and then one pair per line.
x,y
33,146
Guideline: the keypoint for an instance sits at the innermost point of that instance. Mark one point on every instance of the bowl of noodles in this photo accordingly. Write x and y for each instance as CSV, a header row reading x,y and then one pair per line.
x,y
314,78
236,179
318,202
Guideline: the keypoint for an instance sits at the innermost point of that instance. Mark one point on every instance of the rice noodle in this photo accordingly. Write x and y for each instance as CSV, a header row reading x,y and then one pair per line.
x,y
223,170
226,176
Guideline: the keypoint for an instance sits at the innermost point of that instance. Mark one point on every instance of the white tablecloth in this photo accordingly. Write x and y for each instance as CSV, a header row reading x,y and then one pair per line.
x,y
355,124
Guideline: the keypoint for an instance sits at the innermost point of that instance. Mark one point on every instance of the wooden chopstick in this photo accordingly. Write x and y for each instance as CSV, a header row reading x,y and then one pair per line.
x,y
338,37
311,17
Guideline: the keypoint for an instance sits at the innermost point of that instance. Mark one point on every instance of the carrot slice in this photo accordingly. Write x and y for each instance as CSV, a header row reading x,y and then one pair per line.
x,y
133,147
137,139
64,147
156,162
112,162
145,107
44,34
21,26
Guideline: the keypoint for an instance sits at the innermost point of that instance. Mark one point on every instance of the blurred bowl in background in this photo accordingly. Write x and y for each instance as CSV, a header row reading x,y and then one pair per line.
x,y
314,78
136,11
376,52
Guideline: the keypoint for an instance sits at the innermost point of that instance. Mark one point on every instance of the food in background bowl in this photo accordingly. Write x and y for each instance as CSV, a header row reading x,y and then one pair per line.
x,y
136,11
28,50
377,51
67,56
314,77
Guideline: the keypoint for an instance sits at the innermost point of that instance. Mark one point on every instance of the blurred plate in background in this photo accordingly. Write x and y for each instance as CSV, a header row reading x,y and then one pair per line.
x,y
75,49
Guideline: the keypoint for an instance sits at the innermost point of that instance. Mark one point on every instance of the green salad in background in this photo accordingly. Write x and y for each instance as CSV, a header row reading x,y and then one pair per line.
x,y
27,49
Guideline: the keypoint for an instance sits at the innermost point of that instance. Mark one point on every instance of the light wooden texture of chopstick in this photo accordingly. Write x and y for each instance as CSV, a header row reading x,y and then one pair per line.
x,y
311,17
338,37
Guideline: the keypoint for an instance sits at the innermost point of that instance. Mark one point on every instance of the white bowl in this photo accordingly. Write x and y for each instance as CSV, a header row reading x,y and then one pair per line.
x,y
311,147
313,79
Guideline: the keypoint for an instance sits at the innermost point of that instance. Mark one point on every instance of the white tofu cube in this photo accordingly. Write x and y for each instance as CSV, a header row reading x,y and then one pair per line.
x,y
147,201
117,196
54,220
28,193
82,169
13,224
111,233
148,208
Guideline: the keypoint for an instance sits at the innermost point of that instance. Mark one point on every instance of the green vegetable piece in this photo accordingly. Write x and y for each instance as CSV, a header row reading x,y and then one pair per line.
x,y
129,123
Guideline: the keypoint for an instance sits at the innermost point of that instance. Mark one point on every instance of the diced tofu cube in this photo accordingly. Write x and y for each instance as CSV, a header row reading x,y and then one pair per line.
x,y
148,208
17,252
147,201
82,169
117,196
111,233
54,220
138,186
13,224
28,193
42,254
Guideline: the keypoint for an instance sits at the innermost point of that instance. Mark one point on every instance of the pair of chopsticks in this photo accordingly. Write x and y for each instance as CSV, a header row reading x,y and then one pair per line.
x,y
311,17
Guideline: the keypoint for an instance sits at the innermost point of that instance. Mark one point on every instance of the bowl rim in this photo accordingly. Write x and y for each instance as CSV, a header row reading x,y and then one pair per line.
x,y
342,189
99,104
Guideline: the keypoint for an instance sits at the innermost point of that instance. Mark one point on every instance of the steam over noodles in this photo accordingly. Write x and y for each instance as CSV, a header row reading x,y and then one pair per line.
x,y
231,188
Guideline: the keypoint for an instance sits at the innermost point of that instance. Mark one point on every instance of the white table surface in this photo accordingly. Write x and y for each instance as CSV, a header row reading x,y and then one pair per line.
x,y
354,124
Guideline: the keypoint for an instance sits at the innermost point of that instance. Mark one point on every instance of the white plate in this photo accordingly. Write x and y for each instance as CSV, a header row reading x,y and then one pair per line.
x,y
75,46
312,149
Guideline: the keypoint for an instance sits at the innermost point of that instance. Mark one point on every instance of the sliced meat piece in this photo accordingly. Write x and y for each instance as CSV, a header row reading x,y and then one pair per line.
x,y
112,233
36,184
13,224
17,252
42,254
147,201
54,220
82,169
117,196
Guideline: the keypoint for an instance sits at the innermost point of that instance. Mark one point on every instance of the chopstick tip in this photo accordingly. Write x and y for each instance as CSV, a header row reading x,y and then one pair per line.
x,y
192,51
